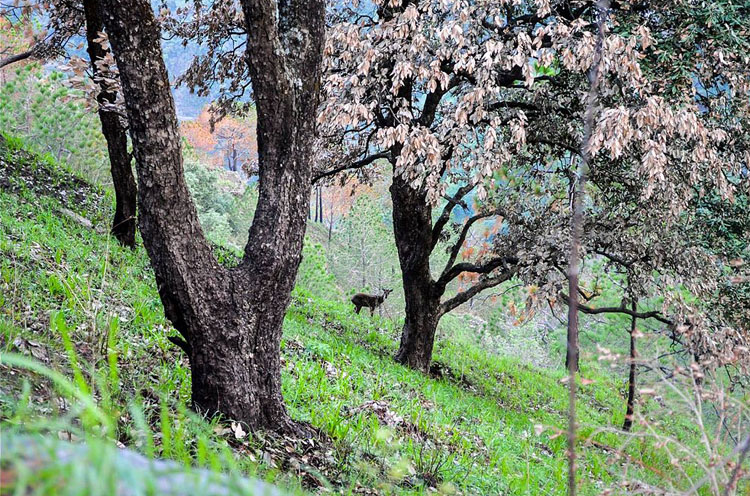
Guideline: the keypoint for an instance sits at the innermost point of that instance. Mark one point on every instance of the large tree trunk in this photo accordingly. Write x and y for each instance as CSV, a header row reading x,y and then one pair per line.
x,y
412,226
230,319
418,334
123,225
234,352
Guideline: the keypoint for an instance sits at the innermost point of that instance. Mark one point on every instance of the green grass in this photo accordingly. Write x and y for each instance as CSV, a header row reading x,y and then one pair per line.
x,y
87,311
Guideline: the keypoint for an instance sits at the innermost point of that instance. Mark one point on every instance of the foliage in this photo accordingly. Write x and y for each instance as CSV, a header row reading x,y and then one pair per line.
x,y
724,228
230,143
339,200
225,204
314,274
476,105
367,252
39,106
44,28
493,109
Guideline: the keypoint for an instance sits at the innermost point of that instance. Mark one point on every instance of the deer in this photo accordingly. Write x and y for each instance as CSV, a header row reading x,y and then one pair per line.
x,y
371,301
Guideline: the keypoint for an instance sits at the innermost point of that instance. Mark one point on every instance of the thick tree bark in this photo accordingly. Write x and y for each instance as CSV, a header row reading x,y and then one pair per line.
x,y
230,319
418,334
412,226
123,225
628,424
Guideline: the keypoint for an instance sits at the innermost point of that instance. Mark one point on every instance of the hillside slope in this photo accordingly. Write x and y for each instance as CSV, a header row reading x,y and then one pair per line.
x,y
74,302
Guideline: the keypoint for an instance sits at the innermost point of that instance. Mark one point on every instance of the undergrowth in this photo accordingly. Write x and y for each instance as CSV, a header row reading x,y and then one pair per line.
x,y
85,357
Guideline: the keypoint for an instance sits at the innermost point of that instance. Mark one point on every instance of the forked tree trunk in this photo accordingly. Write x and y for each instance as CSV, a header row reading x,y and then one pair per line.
x,y
230,319
124,222
412,226
628,424
234,352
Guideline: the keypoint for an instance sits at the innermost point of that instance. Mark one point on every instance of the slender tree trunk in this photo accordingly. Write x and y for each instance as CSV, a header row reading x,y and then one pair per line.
x,y
320,203
317,204
364,267
628,424
230,319
124,222
576,233
412,226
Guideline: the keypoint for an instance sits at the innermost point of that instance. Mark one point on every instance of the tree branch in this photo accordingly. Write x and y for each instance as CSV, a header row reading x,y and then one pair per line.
x,y
17,57
651,314
354,165
571,148
481,268
617,259
446,157
181,343
483,284
456,199
530,107
460,241
433,99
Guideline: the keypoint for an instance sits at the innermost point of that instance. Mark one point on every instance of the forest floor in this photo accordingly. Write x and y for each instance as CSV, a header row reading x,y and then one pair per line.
x,y
86,357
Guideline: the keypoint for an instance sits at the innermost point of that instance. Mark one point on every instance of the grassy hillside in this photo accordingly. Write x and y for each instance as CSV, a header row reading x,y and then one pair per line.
x,y
86,356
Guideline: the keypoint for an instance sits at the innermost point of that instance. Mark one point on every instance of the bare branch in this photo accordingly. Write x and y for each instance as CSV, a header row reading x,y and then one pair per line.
x,y
475,268
651,314
456,199
529,107
483,284
744,449
460,241
17,57
351,166
576,231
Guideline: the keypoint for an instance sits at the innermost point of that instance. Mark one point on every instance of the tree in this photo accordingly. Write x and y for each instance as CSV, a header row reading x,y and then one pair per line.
x,y
229,319
367,253
113,127
340,199
36,105
723,228
477,98
225,204
230,142
461,109
64,21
